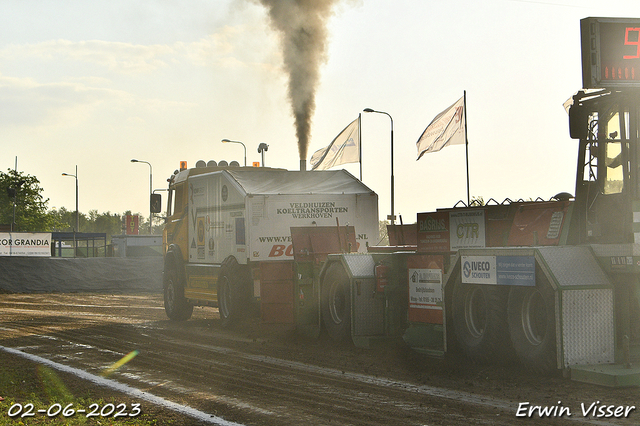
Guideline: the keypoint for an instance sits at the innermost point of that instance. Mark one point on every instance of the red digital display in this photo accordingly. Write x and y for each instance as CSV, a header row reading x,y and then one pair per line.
x,y
610,52
628,41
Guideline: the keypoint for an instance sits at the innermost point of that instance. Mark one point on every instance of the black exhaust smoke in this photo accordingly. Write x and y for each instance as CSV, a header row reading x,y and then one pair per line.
x,y
303,36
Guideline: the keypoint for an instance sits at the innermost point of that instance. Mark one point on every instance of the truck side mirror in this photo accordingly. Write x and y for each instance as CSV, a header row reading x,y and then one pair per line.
x,y
578,122
156,203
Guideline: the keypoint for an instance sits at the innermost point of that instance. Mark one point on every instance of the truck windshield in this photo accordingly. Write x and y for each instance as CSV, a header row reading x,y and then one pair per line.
x,y
170,202
178,199
614,172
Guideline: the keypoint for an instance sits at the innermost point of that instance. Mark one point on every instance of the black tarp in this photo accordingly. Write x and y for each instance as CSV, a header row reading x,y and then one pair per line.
x,y
69,275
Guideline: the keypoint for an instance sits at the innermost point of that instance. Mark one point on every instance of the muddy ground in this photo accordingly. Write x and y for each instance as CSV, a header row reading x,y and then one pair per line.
x,y
261,375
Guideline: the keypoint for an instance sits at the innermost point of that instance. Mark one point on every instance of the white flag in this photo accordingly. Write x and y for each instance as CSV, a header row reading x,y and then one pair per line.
x,y
446,129
345,148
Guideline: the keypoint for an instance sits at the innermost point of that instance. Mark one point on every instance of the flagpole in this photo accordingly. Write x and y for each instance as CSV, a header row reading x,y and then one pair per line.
x,y
360,143
466,144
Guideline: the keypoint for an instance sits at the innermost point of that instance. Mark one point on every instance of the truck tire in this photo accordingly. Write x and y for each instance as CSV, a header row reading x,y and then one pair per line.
x,y
479,321
176,305
233,292
532,327
336,303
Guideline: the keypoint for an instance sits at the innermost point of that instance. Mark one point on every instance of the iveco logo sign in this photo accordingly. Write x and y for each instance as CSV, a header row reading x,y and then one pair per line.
x,y
466,269
473,269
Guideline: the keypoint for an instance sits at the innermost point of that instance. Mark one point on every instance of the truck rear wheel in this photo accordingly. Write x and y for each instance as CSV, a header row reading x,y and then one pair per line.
x,y
532,327
479,321
336,303
233,284
176,305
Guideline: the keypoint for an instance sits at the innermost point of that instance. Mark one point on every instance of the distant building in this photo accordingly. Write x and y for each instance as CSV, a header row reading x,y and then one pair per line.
x,y
136,245
78,244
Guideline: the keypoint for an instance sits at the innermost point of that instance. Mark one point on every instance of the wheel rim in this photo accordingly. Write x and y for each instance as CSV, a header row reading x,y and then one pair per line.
x,y
534,317
336,302
225,298
475,312
170,293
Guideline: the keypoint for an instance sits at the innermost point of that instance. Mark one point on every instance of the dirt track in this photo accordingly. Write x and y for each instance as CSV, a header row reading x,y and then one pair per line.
x,y
256,375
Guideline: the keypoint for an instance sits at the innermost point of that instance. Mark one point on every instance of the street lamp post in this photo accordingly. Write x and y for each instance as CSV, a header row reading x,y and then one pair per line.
x,y
392,217
150,192
243,145
77,214
77,228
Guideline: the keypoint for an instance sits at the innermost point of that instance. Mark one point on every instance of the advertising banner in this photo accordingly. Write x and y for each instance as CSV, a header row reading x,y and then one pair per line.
x,y
467,229
132,224
516,270
448,128
345,148
25,244
433,232
500,270
479,270
271,222
425,288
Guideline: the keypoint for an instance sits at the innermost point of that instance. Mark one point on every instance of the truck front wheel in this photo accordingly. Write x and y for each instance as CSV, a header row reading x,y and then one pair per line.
x,y
479,321
532,327
225,303
233,288
336,303
176,305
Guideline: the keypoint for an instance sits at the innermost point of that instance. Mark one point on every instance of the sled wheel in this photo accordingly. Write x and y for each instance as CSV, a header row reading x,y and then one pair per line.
x,y
532,327
479,321
336,303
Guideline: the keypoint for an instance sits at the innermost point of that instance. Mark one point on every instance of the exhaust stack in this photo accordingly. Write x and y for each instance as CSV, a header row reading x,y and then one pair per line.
x,y
303,165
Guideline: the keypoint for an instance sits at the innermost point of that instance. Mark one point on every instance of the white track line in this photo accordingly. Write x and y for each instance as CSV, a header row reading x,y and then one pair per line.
x,y
133,392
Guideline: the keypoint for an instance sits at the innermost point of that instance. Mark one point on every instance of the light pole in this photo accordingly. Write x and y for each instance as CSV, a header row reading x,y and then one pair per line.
x,y
77,228
150,191
243,145
77,214
392,217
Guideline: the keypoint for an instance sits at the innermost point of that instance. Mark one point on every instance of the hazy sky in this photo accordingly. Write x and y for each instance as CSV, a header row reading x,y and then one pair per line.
x,y
97,83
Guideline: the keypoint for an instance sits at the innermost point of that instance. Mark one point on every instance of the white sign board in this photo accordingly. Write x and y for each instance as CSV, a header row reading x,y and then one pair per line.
x,y
479,270
272,219
466,229
25,244
425,288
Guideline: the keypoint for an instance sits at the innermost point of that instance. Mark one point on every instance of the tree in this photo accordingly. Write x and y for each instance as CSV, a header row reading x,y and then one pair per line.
x,y
22,193
110,224
66,220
